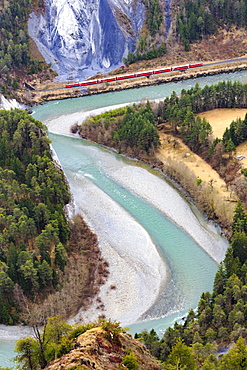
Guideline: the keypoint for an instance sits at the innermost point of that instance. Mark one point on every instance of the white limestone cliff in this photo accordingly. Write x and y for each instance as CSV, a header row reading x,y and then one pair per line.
x,y
10,104
82,37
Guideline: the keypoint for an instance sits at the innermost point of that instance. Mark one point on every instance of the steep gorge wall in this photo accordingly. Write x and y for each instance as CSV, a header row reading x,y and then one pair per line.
x,y
82,37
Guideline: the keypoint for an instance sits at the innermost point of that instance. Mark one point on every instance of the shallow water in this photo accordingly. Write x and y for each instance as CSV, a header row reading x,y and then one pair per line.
x,y
7,352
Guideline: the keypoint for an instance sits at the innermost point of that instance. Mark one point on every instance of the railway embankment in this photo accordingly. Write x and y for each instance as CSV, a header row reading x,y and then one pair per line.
x,y
57,90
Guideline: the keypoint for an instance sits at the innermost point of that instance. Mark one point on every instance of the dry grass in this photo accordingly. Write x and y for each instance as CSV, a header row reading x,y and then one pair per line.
x,y
187,167
220,119
176,150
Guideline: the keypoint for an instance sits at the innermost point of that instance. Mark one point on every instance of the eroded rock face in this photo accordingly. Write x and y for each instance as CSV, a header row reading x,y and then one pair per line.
x,y
10,104
94,351
82,37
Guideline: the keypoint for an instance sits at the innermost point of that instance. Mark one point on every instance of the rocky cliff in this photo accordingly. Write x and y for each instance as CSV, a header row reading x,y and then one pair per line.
x,y
82,37
10,104
100,349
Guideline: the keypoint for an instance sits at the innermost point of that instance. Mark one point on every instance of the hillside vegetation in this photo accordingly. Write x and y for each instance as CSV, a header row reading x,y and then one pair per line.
x,y
130,129
200,30
200,18
102,345
16,63
36,241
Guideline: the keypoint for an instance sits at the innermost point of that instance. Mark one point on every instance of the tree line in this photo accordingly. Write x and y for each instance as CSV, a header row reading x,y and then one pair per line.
x,y
180,112
154,52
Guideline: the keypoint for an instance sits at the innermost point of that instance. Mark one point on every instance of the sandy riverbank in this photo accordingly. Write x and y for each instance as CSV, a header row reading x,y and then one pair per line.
x,y
219,120
127,306
136,270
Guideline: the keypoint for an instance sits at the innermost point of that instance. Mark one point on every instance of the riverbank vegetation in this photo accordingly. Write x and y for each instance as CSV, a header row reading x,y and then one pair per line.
x,y
40,252
180,114
130,129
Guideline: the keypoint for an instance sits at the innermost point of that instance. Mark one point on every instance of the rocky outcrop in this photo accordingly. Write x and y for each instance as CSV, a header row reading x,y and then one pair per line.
x,y
10,104
82,37
101,350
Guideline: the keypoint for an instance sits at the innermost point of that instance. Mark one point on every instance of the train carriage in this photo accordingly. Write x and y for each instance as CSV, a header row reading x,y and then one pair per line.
x,y
134,75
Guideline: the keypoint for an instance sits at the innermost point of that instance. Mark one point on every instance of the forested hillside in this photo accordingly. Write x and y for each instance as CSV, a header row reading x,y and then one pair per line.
x,y
34,230
36,240
200,18
15,60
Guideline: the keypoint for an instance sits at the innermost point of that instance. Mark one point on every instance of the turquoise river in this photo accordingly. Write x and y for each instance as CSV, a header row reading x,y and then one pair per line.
x,y
151,236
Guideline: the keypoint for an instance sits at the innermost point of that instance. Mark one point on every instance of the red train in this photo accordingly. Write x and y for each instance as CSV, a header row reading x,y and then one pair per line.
x,y
134,75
